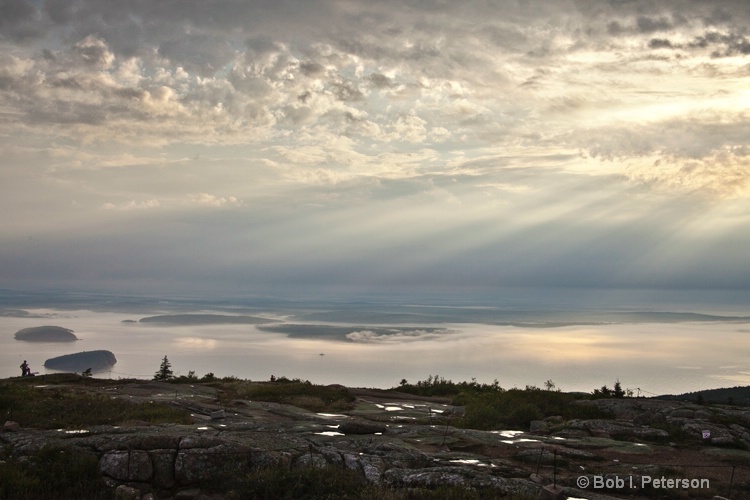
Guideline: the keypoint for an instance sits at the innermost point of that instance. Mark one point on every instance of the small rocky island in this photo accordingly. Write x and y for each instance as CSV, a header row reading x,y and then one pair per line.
x,y
78,362
46,334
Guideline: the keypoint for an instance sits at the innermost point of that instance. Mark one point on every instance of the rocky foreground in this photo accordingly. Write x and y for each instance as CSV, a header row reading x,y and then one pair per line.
x,y
405,441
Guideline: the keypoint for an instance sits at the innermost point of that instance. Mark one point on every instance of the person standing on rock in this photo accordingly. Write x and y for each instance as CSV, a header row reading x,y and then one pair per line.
x,y
25,370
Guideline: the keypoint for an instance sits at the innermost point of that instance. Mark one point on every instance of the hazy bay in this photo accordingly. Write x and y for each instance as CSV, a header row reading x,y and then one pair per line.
x,y
655,352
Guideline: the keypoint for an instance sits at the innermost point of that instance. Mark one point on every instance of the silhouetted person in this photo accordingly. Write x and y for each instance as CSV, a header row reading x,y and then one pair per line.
x,y
25,370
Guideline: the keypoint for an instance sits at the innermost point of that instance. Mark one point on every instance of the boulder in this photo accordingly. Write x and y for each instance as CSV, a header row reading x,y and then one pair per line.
x,y
314,460
195,465
190,494
460,477
124,492
538,427
399,455
682,413
371,467
11,426
722,441
649,418
623,429
361,427
551,492
132,465
163,465
702,415
540,456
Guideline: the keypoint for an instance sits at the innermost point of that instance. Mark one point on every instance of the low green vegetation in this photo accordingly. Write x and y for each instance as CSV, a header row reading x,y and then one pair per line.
x,y
336,483
55,407
489,406
52,474
296,392
516,408
436,385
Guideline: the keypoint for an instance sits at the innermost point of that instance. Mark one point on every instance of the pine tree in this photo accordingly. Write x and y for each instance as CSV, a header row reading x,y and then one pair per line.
x,y
165,370
618,392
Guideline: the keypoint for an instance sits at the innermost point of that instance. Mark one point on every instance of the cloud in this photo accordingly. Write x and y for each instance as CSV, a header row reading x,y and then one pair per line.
x,y
389,142
94,51
196,343
650,25
19,20
133,205
721,176
731,44
398,336
215,201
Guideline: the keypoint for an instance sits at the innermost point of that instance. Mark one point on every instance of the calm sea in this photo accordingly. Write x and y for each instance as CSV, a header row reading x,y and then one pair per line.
x,y
672,347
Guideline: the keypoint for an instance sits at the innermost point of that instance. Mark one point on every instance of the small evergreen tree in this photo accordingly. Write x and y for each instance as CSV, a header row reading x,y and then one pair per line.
x,y
604,392
617,391
165,370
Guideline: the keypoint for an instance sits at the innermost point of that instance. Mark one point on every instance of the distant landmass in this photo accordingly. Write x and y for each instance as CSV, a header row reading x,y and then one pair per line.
x,y
204,319
522,318
81,361
19,313
739,395
46,334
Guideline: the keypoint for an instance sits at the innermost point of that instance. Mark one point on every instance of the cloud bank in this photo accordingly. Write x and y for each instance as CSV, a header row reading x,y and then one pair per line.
x,y
249,144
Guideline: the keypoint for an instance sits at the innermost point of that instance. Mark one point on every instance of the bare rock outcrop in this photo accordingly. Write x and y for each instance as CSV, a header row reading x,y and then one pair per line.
x,y
178,461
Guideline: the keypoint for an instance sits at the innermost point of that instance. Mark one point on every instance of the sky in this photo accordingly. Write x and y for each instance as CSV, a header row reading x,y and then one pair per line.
x,y
247,145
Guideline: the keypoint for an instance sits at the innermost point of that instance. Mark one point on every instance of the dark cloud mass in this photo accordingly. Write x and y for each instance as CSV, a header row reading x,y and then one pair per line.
x,y
387,144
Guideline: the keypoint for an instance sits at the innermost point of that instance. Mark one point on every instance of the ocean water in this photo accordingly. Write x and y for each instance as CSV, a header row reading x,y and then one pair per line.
x,y
373,342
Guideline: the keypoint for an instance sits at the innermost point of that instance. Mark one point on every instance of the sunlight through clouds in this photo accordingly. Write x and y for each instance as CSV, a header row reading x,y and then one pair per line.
x,y
196,343
376,143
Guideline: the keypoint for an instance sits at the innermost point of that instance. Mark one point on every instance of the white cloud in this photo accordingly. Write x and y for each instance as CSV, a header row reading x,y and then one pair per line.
x,y
371,337
132,205
211,200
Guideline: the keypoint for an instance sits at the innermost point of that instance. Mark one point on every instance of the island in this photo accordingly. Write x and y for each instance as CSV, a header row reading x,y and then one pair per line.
x,y
46,334
204,319
81,361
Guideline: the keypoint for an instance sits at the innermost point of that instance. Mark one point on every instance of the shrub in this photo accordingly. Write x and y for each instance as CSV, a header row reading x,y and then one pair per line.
x,y
436,385
312,397
516,408
53,474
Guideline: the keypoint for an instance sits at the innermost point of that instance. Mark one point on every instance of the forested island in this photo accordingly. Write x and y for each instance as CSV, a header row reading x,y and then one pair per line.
x,y
46,334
